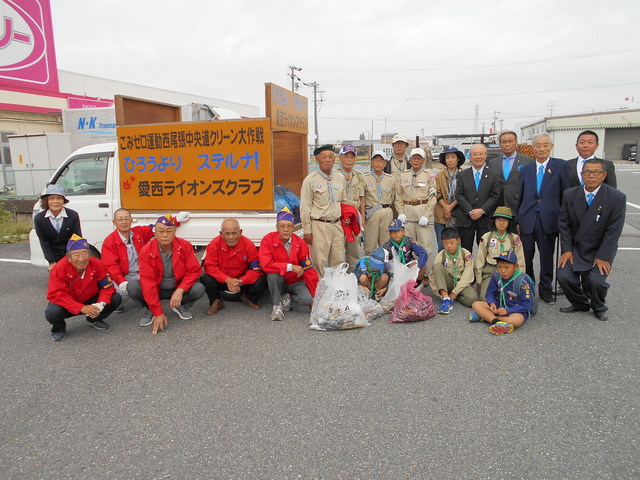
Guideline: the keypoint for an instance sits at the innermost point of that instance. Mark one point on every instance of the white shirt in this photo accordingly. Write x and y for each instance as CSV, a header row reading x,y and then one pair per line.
x,y
595,192
54,220
580,164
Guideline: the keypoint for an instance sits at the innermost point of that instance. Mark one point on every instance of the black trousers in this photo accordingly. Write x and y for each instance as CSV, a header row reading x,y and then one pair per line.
x,y
55,314
253,291
584,289
467,234
546,246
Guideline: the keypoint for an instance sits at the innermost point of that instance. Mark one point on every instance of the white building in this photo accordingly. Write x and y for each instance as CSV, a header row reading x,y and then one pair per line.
x,y
614,129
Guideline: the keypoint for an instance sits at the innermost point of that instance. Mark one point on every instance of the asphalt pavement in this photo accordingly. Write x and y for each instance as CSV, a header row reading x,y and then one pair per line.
x,y
239,396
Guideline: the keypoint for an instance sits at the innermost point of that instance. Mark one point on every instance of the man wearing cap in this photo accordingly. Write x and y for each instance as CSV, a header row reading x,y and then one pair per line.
x,y
79,284
399,161
120,251
478,194
415,202
320,211
284,258
55,224
508,167
586,145
170,270
231,264
354,196
591,222
379,195
451,159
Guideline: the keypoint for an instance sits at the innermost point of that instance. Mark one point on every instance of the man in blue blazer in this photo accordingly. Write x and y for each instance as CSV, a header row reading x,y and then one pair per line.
x,y
508,166
478,194
591,222
542,184
586,146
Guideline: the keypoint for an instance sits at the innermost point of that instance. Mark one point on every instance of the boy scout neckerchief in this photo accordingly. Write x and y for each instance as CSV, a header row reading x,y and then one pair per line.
x,y
328,179
378,180
503,286
400,246
455,265
501,239
375,276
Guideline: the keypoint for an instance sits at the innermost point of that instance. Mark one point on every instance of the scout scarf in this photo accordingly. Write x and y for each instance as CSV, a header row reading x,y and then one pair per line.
x,y
375,276
453,259
502,286
400,248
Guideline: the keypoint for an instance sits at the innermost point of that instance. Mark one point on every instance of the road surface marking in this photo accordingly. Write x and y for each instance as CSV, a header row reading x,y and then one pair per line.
x,y
14,260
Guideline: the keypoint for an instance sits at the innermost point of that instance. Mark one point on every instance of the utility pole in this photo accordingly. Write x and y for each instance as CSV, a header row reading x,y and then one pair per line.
x,y
550,105
475,121
316,102
294,78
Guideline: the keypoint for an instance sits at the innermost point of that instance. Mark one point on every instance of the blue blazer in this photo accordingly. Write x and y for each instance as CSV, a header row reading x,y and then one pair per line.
x,y
546,204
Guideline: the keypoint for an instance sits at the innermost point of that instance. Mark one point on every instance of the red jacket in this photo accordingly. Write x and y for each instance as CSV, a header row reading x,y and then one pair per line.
x,y
67,290
274,259
114,251
241,261
186,270
352,228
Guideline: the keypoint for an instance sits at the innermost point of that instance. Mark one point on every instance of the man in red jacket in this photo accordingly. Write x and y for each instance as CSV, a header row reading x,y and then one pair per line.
x,y
284,257
120,252
79,284
170,270
231,265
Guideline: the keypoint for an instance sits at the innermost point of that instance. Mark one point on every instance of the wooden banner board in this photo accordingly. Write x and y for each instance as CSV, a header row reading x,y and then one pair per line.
x,y
137,111
222,165
288,111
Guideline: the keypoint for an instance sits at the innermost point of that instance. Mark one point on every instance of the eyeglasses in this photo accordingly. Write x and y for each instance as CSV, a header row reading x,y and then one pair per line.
x,y
595,173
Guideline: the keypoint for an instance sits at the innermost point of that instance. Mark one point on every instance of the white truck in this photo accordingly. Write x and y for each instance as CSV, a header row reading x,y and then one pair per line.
x,y
90,177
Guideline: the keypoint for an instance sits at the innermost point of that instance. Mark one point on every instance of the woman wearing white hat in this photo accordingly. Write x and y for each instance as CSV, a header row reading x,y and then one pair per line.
x,y
55,224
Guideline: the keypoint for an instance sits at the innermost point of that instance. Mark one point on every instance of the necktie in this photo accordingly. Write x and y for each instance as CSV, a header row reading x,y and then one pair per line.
x,y
580,165
539,178
506,169
590,199
58,224
477,180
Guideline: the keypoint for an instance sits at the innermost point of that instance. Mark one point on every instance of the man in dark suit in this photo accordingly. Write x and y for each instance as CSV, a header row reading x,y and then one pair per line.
x,y
478,194
508,167
542,184
591,222
586,145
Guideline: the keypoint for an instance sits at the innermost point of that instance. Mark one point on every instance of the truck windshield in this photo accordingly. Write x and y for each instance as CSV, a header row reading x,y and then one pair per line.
x,y
84,175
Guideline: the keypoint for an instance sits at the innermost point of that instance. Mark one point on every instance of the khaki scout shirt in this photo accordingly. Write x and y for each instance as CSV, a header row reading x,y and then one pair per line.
x,y
388,183
315,198
418,188
398,166
490,246
464,264
354,187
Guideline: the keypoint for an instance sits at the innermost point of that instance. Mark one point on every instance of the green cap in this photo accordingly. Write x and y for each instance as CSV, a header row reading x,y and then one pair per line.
x,y
503,212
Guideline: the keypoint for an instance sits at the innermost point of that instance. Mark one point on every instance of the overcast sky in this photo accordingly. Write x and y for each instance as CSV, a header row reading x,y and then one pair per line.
x,y
421,65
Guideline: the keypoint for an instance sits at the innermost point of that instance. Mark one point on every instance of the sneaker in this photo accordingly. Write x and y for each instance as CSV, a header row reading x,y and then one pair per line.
x,y
446,306
474,318
100,325
146,319
183,312
120,308
285,302
58,336
500,328
277,313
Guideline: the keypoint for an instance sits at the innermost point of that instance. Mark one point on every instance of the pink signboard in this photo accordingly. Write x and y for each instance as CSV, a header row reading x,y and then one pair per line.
x,y
85,102
27,53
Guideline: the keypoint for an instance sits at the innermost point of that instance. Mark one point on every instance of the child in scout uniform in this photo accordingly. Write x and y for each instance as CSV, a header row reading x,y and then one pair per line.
x,y
379,195
404,248
372,274
492,244
509,297
453,276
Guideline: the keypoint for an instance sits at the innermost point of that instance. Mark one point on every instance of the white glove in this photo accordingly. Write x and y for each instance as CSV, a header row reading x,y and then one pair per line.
x,y
183,217
99,306
122,288
402,217
423,222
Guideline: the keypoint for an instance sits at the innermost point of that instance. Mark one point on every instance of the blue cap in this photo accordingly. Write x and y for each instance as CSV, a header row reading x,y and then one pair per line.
x,y
395,225
54,190
348,148
285,214
507,256
376,259
76,242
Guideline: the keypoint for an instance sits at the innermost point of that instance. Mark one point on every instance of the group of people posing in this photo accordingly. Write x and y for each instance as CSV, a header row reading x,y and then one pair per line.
x,y
407,209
